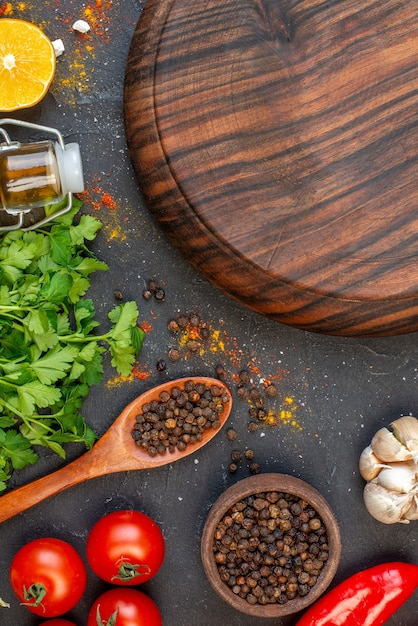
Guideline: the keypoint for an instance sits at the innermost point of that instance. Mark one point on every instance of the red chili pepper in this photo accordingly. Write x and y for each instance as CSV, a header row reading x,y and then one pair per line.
x,y
368,598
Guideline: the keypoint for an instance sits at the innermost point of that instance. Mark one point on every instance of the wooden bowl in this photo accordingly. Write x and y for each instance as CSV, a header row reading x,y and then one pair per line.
x,y
256,485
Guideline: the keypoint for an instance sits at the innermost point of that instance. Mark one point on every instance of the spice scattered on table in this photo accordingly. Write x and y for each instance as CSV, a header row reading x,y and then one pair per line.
x,y
258,397
195,336
179,417
154,289
238,457
270,548
99,196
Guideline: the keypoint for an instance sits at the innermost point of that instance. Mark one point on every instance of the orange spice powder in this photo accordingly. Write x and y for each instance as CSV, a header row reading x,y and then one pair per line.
x,y
6,9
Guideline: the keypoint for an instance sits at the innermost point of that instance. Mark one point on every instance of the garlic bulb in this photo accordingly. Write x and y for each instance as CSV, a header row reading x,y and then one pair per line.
x,y
390,467
412,512
405,430
384,505
369,464
388,448
399,477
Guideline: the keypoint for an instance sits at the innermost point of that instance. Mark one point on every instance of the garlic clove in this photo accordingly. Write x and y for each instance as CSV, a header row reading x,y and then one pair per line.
x,y
386,506
369,464
412,512
399,477
388,448
405,430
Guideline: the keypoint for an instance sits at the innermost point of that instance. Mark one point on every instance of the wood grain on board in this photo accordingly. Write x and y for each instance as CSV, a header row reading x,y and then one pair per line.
x,y
277,145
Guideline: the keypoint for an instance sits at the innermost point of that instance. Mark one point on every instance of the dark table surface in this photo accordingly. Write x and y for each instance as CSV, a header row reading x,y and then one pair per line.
x,y
333,393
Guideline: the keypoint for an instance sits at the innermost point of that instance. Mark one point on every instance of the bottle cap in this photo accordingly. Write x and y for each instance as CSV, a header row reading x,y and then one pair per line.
x,y
70,168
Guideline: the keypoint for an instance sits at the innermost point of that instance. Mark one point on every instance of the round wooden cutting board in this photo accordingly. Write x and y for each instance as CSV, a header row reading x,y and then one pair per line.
x,y
277,145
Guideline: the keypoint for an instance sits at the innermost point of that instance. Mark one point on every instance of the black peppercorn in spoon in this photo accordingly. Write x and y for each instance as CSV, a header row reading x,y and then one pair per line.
x,y
116,451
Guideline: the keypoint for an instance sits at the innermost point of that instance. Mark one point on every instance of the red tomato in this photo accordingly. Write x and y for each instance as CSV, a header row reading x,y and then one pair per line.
x,y
125,548
124,607
48,576
57,622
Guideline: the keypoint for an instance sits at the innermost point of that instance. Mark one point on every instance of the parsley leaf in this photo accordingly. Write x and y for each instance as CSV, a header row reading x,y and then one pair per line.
x,y
50,351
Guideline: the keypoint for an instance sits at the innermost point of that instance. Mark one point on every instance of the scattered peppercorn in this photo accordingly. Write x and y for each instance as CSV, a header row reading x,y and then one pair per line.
x,y
231,434
153,289
261,414
252,411
153,286
173,326
117,294
193,345
232,467
258,402
205,332
254,393
242,392
194,320
174,354
249,455
254,468
244,377
159,294
262,551
270,390
220,372
161,365
236,456
179,418
182,321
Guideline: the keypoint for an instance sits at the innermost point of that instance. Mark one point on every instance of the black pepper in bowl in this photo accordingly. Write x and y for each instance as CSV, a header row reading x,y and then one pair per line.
x,y
271,545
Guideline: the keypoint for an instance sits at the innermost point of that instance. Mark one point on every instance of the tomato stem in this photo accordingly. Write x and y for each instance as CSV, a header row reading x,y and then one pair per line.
x,y
34,594
128,571
110,622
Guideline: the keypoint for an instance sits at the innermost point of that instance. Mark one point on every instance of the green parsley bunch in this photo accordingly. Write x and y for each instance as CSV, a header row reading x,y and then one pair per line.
x,y
50,351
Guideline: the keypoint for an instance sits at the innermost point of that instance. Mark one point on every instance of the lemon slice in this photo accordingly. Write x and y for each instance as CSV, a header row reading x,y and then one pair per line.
x,y
27,64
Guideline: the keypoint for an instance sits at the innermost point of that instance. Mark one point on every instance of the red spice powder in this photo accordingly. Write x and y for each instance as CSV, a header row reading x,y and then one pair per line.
x,y
98,198
86,197
99,17
146,327
108,201
140,374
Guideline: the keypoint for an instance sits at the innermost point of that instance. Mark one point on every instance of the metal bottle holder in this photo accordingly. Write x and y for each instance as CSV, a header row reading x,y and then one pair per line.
x,y
37,174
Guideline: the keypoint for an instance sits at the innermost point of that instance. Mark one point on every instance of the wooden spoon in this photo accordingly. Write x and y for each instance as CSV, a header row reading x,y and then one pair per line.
x,y
116,451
